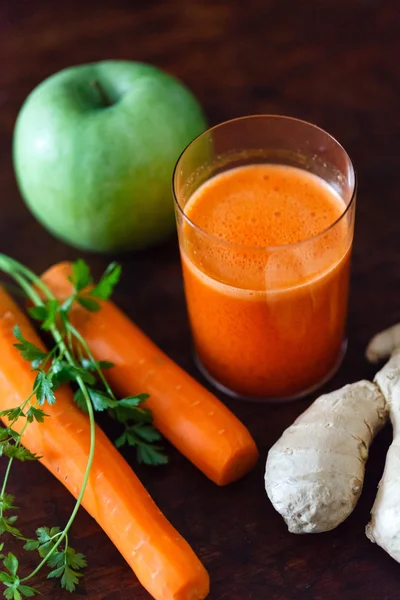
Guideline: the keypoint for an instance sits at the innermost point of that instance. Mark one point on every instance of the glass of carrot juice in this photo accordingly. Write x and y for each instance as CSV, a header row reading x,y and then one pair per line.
x,y
265,210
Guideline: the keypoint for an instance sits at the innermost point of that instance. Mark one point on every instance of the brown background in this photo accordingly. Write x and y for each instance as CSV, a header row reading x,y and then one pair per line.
x,y
334,62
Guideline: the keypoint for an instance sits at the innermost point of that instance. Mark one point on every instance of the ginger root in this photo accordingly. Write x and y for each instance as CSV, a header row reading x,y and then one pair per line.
x,y
315,471
384,526
383,344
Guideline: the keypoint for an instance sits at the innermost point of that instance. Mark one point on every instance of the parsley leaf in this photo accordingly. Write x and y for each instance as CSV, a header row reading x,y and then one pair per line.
x,y
31,545
133,401
44,388
92,365
35,414
18,452
107,283
7,525
14,588
80,400
63,372
12,414
6,432
29,351
88,303
70,579
139,414
11,434
66,564
148,433
75,560
81,276
46,539
11,563
7,502
5,578
100,400
142,437
46,313
27,591
4,435
44,534
150,454
130,409
11,593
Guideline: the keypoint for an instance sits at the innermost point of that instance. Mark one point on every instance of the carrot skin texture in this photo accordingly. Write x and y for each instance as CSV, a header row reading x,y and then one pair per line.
x,y
163,561
198,424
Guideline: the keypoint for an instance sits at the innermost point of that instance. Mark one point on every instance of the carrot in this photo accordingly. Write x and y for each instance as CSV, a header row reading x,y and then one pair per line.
x,y
189,416
162,560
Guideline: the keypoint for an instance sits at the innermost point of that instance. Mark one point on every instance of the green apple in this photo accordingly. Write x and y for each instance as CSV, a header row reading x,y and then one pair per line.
x,y
94,151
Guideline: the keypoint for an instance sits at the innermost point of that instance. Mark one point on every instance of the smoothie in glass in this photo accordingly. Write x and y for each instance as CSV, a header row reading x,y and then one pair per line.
x,y
265,249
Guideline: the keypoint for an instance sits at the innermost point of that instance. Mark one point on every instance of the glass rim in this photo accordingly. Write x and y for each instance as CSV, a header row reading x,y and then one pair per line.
x,y
244,247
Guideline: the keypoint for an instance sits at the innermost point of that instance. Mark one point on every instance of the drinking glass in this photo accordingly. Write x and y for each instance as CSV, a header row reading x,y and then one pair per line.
x,y
268,323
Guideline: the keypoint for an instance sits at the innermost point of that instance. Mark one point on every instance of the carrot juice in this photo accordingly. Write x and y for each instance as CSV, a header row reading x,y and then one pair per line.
x,y
266,260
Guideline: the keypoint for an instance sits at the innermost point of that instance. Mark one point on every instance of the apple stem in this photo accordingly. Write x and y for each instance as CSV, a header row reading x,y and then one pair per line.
x,y
101,91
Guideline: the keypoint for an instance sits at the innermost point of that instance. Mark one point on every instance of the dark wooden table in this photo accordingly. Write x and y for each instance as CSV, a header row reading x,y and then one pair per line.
x,y
335,63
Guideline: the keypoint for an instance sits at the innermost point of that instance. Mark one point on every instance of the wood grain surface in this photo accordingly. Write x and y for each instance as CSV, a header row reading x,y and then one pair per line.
x,y
333,62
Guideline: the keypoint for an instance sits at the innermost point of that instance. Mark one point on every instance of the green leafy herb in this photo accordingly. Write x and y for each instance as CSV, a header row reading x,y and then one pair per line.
x,y
107,283
139,431
93,365
63,372
11,564
44,388
100,400
13,414
7,525
7,502
150,454
29,351
88,303
35,414
142,437
81,278
64,562
46,314
15,590
18,452
66,565
69,361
